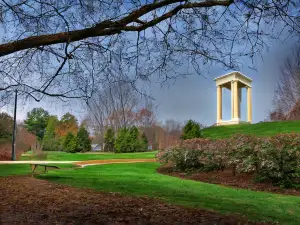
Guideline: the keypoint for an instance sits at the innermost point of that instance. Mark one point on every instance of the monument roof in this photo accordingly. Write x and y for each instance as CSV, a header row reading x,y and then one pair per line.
x,y
232,74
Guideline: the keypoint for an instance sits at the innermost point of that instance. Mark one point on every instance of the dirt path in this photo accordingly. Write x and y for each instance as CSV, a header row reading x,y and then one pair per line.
x,y
111,161
82,163
26,200
38,162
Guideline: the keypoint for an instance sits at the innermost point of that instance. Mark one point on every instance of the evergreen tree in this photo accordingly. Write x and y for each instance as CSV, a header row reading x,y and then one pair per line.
x,y
36,122
191,130
132,138
144,142
121,140
70,143
84,141
6,125
109,140
50,141
129,140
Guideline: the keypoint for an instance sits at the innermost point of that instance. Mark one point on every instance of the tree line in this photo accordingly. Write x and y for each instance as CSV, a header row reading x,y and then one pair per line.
x,y
116,110
58,134
65,134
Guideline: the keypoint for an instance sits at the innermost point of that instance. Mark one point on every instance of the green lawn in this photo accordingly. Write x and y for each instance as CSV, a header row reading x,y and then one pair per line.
x,y
63,156
142,179
259,129
23,169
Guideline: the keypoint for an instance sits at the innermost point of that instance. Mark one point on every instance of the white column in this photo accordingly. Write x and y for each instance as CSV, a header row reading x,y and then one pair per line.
x,y
249,105
235,100
240,101
219,103
232,100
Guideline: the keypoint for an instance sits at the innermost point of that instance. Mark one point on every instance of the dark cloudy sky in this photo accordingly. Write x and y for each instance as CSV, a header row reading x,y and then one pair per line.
x,y
194,97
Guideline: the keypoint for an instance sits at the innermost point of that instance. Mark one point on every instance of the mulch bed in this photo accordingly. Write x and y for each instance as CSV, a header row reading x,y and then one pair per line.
x,y
226,178
26,200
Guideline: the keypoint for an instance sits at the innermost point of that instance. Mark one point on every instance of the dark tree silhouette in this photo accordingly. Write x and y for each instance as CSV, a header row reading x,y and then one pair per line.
x,y
287,94
66,48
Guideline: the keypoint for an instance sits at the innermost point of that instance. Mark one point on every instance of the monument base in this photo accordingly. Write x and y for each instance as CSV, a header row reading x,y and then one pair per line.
x,y
230,122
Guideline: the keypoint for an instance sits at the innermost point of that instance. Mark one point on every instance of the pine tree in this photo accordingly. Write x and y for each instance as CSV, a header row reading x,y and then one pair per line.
x,y
84,141
70,143
144,142
109,140
121,140
129,140
50,142
191,130
134,144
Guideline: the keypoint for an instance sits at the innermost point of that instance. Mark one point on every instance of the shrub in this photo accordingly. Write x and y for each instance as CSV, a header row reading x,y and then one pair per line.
x,y
275,159
280,159
191,130
182,159
129,140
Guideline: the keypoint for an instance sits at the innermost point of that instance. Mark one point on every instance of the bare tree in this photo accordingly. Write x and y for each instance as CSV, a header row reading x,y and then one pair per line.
x,y
146,115
113,106
67,48
173,127
288,91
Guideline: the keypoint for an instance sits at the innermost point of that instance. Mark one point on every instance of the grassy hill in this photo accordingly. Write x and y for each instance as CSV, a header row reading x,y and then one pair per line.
x,y
259,129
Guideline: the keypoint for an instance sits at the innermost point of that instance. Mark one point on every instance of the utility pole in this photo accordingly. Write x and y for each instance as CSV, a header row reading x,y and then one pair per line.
x,y
13,152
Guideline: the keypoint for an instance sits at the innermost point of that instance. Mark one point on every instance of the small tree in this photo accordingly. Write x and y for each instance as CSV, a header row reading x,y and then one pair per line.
x,y
144,142
70,143
191,130
109,140
84,141
132,137
36,122
6,125
50,141
121,141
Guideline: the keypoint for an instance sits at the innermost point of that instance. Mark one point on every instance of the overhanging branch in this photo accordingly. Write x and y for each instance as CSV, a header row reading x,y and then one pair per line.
x,y
108,27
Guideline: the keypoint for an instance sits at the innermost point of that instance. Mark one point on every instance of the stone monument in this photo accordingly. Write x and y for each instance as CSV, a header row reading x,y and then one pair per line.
x,y
234,81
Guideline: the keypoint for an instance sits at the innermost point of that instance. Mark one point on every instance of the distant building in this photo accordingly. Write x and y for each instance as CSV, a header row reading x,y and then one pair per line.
x,y
96,147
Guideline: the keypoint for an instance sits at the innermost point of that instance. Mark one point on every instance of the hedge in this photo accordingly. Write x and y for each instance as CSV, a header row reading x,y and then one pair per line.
x,y
275,159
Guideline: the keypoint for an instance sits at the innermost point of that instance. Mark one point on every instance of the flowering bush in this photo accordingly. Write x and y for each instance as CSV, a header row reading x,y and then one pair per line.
x,y
275,159
280,159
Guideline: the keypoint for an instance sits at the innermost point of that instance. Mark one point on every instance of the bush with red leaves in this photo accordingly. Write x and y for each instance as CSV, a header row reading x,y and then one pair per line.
x,y
24,141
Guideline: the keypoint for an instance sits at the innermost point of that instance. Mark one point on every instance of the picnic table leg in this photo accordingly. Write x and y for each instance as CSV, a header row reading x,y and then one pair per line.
x,y
33,167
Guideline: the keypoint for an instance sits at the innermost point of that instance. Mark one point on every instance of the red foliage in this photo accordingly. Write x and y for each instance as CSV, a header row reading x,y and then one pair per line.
x,y
23,144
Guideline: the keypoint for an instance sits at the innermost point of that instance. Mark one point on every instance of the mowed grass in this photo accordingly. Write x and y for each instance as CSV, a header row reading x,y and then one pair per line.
x,y
260,129
63,156
24,169
142,179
